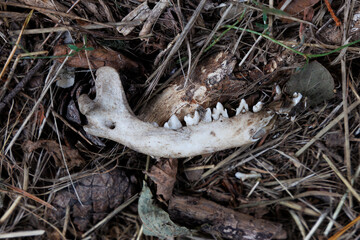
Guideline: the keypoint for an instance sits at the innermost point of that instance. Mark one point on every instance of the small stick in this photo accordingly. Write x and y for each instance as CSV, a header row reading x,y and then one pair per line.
x,y
16,44
21,84
336,19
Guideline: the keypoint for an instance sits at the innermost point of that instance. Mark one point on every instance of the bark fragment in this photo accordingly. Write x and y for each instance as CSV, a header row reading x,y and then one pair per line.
x,y
218,220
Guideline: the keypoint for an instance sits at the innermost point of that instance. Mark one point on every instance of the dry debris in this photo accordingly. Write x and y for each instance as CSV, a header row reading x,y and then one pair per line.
x,y
295,59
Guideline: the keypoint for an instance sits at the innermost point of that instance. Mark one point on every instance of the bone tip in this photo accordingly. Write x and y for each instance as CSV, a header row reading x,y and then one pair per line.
x,y
86,105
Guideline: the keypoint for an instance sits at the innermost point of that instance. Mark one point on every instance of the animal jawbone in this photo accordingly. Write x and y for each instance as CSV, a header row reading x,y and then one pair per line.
x,y
109,116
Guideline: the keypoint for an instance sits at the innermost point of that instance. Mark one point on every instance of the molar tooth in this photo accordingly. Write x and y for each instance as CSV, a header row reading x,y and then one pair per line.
x,y
173,123
207,116
258,107
192,120
243,107
219,110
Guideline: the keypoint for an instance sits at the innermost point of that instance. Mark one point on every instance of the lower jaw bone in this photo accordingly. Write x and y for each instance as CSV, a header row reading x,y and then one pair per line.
x,y
109,116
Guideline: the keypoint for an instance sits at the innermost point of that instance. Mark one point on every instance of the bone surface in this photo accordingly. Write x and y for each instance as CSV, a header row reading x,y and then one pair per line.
x,y
109,116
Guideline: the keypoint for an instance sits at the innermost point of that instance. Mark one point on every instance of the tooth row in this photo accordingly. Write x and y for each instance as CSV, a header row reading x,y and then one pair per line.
x,y
219,110
243,107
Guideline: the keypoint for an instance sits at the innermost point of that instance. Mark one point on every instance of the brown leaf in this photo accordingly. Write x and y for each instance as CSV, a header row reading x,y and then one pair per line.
x,y
72,157
299,7
164,175
98,57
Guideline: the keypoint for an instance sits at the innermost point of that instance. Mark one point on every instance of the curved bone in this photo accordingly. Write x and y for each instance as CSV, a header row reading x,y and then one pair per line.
x,y
109,116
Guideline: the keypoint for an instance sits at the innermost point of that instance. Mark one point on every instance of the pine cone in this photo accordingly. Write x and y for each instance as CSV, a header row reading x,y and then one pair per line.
x,y
99,194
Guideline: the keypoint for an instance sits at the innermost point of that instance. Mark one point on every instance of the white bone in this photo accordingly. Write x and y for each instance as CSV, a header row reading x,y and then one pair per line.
x,y
109,116
192,120
244,176
258,107
243,107
173,123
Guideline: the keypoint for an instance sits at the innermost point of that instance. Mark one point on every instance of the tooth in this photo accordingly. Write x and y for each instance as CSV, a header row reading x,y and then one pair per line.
x,y
296,98
257,107
192,120
219,110
243,107
278,93
207,116
225,113
173,123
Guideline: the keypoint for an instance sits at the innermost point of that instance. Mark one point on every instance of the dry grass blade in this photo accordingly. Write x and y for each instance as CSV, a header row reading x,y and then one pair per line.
x,y
28,195
343,179
344,229
22,234
16,45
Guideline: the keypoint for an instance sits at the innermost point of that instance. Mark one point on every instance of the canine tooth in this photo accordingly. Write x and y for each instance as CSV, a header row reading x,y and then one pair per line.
x,y
173,123
258,107
278,93
192,120
219,110
243,107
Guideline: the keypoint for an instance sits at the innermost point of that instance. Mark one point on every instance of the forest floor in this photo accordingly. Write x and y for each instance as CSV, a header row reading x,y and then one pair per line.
x,y
299,180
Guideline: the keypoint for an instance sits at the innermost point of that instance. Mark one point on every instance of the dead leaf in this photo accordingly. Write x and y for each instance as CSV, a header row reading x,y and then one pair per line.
x,y
299,7
314,82
164,176
155,220
98,57
72,156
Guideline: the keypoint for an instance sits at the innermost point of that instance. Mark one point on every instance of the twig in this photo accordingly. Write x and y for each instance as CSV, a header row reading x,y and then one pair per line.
x,y
45,10
11,73
21,234
133,23
153,17
21,84
333,15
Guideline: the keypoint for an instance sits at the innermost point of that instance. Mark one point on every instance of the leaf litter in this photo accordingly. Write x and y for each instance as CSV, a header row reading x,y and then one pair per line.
x,y
309,200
